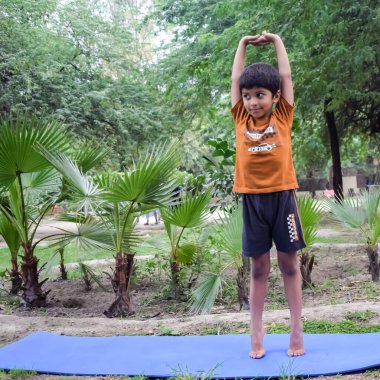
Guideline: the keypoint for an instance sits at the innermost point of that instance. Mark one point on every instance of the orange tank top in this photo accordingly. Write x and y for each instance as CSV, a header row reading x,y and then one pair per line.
x,y
264,165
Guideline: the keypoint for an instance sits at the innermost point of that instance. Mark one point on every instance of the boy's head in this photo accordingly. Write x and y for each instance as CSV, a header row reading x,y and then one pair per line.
x,y
260,75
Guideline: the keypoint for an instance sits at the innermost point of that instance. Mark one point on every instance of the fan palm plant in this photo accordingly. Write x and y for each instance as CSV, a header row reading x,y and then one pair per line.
x,y
190,213
310,215
363,214
116,199
27,181
228,233
87,158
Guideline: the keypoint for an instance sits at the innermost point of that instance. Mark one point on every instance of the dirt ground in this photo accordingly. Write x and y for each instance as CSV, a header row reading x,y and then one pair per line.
x,y
342,287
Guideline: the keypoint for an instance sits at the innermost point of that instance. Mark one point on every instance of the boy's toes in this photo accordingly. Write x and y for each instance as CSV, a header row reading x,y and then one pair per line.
x,y
296,352
256,354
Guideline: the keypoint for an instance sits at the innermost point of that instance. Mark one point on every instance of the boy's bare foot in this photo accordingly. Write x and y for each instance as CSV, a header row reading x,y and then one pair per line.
x,y
257,345
296,347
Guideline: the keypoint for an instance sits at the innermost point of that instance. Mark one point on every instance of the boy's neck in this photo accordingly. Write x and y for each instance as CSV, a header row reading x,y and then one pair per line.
x,y
262,120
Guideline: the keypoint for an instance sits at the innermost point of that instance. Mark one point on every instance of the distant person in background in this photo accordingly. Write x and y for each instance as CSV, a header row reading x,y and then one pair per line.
x,y
328,193
156,214
176,194
368,184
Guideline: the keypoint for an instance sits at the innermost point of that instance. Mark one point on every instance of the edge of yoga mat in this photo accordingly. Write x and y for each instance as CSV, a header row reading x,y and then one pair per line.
x,y
219,356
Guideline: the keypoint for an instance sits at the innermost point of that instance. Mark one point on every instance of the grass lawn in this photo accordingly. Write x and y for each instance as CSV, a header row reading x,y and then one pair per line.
x,y
72,255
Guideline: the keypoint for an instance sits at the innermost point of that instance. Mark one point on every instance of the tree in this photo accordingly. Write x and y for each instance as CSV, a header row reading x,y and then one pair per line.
x,y
332,47
228,242
189,213
31,188
310,215
78,62
362,214
115,200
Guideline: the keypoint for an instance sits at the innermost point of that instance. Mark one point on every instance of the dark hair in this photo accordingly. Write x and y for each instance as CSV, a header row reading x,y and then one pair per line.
x,y
260,75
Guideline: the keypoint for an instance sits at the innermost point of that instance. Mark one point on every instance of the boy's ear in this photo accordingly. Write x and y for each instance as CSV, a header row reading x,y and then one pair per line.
x,y
277,96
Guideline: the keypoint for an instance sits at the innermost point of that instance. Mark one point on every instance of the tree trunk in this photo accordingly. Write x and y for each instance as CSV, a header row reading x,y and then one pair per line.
x,y
175,269
374,265
335,152
14,274
122,306
62,264
306,266
32,288
242,285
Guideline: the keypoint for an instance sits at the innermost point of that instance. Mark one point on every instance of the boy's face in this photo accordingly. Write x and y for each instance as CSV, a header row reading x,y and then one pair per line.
x,y
258,101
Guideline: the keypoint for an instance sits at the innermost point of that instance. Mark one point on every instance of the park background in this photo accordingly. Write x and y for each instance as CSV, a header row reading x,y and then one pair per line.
x,y
123,77
129,74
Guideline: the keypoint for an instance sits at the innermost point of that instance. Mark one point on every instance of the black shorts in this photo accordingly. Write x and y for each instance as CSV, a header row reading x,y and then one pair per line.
x,y
271,217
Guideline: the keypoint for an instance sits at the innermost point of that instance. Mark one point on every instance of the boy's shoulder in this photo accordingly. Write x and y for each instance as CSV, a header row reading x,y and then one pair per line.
x,y
238,111
284,110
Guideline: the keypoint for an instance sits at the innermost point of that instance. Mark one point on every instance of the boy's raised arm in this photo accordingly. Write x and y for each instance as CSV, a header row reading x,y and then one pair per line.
x,y
238,66
282,62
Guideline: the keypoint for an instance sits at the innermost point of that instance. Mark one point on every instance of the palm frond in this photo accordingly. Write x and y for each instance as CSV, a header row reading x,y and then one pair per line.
x,y
89,156
310,214
149,181
371,202
191,212
19,139
47,181
80,186
106,180
88,234
205,294
10,234
89,273
229,231
171,230
185,253
41,191
376,230
372,206
12,210
349,211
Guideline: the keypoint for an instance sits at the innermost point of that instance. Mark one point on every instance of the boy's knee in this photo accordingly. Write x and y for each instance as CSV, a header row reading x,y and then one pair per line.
x,y
260,269
288,268
288,264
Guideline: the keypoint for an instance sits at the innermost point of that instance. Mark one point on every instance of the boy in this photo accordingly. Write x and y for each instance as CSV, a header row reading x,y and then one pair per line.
x,y
262,109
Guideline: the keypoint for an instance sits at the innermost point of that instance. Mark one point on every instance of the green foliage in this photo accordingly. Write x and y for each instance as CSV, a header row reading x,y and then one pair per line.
x,y
229,231
191,212
149,180
227,241
16,374
205,294
10,235
327,327
187,215
360,213
83,62
361,316
310,214
19,139
338,60
220,169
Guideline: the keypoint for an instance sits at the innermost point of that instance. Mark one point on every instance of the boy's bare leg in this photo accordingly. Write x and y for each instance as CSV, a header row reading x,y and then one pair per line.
x,y
289,266
260,268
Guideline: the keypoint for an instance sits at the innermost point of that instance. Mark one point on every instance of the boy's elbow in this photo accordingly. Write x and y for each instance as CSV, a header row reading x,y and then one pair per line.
x,y
286,75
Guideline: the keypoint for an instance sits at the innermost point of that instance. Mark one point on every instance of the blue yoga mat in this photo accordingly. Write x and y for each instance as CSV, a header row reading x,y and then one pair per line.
x,y
220,356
